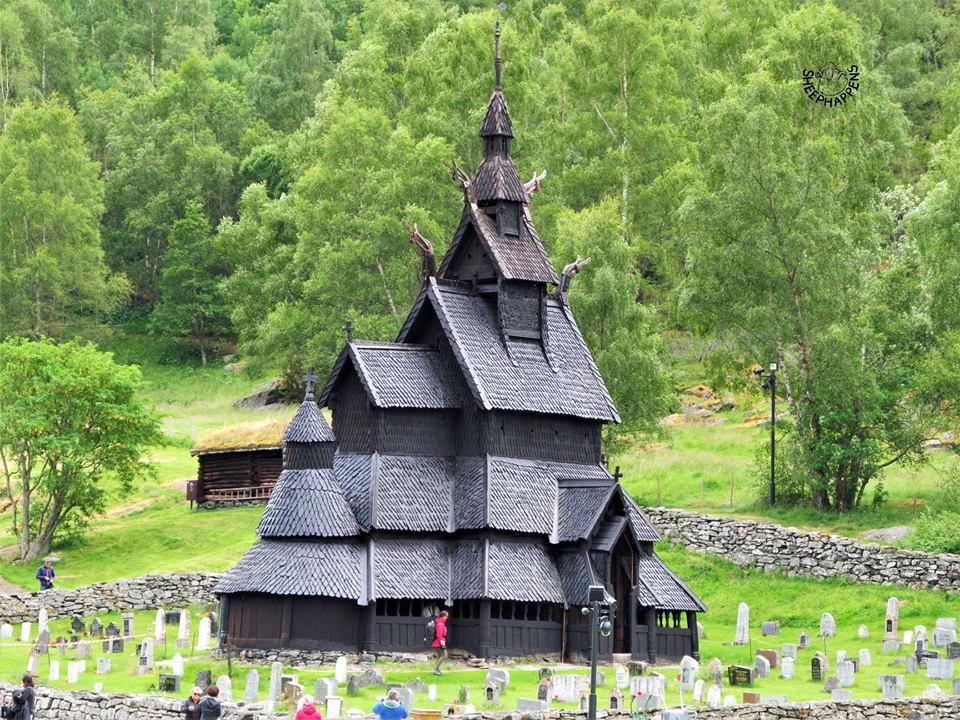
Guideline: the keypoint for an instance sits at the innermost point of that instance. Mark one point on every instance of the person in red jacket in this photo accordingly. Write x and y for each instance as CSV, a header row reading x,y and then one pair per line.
x,y
308,709
440,640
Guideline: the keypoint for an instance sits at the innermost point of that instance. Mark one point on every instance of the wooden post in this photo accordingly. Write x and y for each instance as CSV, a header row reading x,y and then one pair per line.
x,y
694,635
485,629
370,636
652,634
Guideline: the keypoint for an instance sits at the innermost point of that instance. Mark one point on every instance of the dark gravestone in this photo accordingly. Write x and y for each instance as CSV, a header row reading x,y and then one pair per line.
x,y
169,683
171,617
924,655
804,640
953,651
96,628
113,643
204,679
76,625
62,645
740,675
816,669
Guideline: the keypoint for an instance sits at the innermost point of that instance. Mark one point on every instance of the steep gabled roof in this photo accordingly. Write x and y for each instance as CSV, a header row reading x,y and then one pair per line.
x,y
496,121
284,567
641,527
307,503
497,178
521,379
514,258
580,508
399,375
658,587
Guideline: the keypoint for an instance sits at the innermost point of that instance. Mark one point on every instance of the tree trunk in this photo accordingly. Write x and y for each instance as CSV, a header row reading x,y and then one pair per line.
x,y
386,288
153,42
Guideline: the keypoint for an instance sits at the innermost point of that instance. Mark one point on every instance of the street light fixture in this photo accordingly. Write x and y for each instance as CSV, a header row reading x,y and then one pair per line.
x,y
600,613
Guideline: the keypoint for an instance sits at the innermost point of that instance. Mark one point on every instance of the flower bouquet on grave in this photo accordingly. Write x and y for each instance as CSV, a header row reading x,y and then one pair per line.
x,y
643,705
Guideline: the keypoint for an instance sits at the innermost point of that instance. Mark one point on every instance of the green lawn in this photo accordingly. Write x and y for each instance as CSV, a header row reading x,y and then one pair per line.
x,y
796,603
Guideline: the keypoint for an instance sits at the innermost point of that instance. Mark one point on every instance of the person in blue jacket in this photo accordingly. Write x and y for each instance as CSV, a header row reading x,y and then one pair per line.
x,y
390,708
46,575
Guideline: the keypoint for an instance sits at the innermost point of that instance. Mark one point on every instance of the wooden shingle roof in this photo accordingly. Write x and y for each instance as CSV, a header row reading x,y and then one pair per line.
x,y
497,178
307,503
308,425
496,121
658,587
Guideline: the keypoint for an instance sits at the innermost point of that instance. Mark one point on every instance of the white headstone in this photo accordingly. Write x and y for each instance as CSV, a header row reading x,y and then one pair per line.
x,y
334,706
943,636
939,669
786,667
340,669
743,624
566,688
81,666
273,691
948,623
203,633
714,695
42,620
845,673
103,665
183,632
32,662
828,626
146,652
54,670
934,690
841,655
73,672
761,666
688,673
225,685
863,632
892,619
729,700
788,650
865,658
160,626
177,665
252,688
841,695
6,631
892,686
25,632
698,691
908,637
98,687
622,677
432,692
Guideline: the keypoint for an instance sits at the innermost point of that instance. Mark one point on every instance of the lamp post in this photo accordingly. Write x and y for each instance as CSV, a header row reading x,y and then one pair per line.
x,y
600,624
770,381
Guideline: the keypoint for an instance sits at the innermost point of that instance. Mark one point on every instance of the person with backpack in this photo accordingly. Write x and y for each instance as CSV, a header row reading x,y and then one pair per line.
x,y
24,700
210,706
440,639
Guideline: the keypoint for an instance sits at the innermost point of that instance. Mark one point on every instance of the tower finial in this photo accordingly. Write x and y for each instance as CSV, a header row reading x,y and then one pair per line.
x,y
309,379
497,62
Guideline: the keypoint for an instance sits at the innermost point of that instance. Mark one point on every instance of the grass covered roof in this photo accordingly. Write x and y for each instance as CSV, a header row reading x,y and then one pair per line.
x,y
246,436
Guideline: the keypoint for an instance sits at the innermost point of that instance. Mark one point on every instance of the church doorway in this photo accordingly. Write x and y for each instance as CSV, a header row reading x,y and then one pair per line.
x,y
623,571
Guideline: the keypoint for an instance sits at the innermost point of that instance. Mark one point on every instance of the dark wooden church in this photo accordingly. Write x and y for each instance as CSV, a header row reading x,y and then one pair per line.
x,y
463,471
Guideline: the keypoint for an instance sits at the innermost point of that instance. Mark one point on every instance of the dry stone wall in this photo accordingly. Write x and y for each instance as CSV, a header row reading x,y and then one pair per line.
x,y
148,591
800,552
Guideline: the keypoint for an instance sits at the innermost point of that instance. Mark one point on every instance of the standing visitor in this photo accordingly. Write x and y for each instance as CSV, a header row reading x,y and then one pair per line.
x,y
390,708
24,700
440,640
45,575
190,707
210,705
308,709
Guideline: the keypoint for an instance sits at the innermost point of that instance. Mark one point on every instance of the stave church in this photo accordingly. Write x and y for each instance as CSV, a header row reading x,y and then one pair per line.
x,y
463,470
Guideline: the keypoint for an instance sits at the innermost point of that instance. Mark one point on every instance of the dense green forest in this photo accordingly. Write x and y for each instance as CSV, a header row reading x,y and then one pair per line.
x,y
235,175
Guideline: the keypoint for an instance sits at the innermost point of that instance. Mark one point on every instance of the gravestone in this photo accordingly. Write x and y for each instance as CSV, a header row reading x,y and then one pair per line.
x,y
828,626
714,696
43,641
953,651
566,689
714,666
934,691
622,677
911,663
183,630
841,655
865,657
863,632
804,641
33,661
96,628
892,619
845,673
920,637
943,636
841,695
407,695
83,649
786,668
774,699
491,693
172,617
817,670
203,633
654,686
956,687
923,656
688,673
832,683
76,625
25,632
417,685
292,692
770,627
145,660
503,677
531,706
751,698
225,685
334,707
287,679
6,631
365,679
908,637
546,672
948,623
788,650
892,686
73,673
635,668
890,646
251,688
43,618
126,620
772,656
176,663
544,690
340,669
698,688
273,691
743,625
169,683
113,642
54,673
674,714
160,626
432,693
938,669
740,675
761,666
203,679
103,665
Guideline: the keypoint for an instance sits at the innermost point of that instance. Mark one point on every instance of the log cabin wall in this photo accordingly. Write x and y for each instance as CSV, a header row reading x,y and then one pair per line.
x,y
227,470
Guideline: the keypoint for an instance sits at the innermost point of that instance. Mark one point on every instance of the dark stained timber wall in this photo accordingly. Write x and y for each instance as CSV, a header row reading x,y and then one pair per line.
x,y
307,623
352,415
525,435
416,432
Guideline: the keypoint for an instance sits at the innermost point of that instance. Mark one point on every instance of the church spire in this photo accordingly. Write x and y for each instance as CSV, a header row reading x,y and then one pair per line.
x,y
497,62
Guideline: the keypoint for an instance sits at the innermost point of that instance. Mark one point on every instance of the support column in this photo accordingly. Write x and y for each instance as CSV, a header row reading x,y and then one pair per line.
x,y
694,635
486,630
652,634
224,621
370,634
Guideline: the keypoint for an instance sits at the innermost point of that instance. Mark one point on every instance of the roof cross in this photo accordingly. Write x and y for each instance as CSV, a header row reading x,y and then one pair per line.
x,y
617,474
309,379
